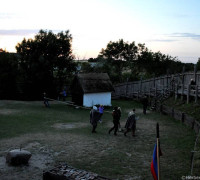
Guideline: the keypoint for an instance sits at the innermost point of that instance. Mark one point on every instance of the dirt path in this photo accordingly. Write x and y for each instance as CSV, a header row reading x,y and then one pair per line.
x,y
116,157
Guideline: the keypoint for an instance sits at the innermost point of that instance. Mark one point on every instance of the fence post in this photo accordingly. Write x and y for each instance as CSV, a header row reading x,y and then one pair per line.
x,y
182,118
188,93
172,112
183,83
182,91
155,93
176,91
196,93
195,73
127,88
149,91
140,85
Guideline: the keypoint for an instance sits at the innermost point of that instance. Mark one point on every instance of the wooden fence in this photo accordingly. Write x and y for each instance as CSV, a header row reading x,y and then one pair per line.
x,y
177,83
182,117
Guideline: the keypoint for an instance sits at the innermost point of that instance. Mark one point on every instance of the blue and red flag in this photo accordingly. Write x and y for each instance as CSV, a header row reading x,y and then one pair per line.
x,y
154,165
154,162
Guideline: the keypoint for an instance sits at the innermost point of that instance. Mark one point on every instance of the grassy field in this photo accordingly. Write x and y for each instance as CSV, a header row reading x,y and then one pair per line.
x,y
62,134
191,109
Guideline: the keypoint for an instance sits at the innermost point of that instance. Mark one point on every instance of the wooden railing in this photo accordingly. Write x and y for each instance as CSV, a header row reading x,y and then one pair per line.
x,y
177,83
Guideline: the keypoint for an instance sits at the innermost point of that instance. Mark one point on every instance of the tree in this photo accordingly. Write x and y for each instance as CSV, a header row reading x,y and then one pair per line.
x,y
46,62
119,54
9,72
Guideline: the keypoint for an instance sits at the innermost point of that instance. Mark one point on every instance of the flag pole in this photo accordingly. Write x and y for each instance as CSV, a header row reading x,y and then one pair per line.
x,y
158,150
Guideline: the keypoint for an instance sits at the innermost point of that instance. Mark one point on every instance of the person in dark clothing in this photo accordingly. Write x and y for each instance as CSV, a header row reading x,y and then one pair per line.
x,y
120,112
131,123
46,102
145,104
64,94
192,83
94,118
116,117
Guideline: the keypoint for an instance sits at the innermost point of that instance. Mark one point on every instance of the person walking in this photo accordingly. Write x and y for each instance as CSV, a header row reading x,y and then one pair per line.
x,y
131,123
116,117
120,112
46,102
94,118
101,109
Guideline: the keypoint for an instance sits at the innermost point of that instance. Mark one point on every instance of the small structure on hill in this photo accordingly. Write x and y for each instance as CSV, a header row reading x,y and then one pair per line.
x,y
91,89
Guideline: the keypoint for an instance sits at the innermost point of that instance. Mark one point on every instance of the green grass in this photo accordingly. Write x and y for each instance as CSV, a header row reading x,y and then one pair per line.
x,y
117,157
191,108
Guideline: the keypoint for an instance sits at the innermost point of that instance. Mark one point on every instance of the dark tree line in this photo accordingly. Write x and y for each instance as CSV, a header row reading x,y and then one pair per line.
x,y
127,61
42,64
46,64
8,75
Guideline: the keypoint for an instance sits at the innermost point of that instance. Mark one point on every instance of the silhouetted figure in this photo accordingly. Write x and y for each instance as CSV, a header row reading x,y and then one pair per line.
x,y
192,83
64,94
116,117
130,123
46,102
120,112
94,118
145,104
101,110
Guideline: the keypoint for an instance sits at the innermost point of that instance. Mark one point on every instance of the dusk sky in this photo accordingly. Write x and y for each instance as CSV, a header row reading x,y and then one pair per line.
x,y
169,26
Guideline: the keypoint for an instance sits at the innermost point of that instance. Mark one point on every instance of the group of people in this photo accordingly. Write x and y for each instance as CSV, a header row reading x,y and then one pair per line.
x,y
130,126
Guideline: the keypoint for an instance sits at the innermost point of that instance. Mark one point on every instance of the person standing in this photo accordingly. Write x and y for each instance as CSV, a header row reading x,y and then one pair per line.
x,y
94,118
101,109
46,102
130,123
145,104
64,94
116,117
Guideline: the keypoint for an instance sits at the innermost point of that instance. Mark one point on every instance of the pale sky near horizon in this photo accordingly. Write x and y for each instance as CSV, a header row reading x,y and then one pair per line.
x,y
169,26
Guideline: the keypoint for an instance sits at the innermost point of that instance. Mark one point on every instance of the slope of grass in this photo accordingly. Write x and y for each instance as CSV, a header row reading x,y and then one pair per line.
x,y
191,109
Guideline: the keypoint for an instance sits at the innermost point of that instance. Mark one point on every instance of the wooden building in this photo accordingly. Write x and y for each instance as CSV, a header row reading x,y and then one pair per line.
x,y
91,89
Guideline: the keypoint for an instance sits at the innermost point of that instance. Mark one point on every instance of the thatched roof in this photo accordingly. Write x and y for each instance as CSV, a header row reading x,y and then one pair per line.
x,y
95,82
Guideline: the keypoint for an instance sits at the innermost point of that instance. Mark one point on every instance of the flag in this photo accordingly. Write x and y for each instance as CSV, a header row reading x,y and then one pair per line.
x,y
154,165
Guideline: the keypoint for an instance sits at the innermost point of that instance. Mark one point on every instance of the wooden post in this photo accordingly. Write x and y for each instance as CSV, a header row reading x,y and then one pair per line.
x,y
182,91
158,150
127,87
149,91
167,77
141,85
196,93
195,73
183,117
155,93
183,83
188,93
172,112
176,91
